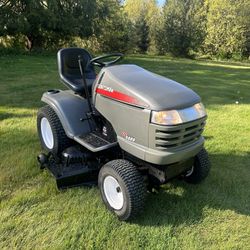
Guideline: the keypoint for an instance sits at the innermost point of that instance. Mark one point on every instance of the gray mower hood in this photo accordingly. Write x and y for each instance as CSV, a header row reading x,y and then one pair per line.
x,y
154,91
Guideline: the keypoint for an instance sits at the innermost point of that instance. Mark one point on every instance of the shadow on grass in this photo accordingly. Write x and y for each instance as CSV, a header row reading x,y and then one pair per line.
x,y
6,115
208,137
226,188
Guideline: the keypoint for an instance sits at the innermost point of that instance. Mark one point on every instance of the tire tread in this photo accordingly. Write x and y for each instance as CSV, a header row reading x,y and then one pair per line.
x,y
201,169
60,137
134,184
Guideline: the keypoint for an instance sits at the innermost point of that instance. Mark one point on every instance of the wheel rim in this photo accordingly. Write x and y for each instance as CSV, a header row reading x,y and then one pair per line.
x,y
113,192
47,133
190,171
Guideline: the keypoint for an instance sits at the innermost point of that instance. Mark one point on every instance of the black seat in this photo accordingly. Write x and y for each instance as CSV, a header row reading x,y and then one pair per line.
x,y
69,70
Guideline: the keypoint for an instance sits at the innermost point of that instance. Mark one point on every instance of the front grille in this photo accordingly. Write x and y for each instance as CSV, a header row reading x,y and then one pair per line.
x,y
167,137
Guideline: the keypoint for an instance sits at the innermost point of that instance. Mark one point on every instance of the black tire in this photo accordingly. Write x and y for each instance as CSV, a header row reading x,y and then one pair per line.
x,y
131,185
61,141
201,168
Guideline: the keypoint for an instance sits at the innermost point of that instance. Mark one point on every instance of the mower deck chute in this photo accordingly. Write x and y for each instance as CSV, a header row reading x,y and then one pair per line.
x,y
126,128
74,175
72,169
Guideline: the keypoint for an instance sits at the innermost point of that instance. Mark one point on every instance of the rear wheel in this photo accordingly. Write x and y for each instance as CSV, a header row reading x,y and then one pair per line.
x,y
200,169
50,130
122,188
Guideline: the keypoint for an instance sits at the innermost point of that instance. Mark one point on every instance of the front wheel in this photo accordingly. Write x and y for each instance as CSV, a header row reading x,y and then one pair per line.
x,y
122,188
200,168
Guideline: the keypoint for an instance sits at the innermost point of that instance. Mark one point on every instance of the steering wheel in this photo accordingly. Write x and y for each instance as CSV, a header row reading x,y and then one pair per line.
x,y
97,60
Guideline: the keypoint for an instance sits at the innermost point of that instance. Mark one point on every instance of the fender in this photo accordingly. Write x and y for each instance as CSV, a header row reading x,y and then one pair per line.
x,y
71,110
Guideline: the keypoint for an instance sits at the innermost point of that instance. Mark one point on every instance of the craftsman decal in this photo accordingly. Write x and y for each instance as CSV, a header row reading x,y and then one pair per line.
x,y
118,96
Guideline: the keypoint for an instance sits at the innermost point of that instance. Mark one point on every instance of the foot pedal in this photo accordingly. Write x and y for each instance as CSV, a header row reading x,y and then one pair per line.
x,y
94,142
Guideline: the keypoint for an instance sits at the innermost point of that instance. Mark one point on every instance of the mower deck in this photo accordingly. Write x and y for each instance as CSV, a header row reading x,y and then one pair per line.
x,y
74,176
69,175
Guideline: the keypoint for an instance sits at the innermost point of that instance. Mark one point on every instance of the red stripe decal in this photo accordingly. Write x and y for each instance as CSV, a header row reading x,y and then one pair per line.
x,y
116,95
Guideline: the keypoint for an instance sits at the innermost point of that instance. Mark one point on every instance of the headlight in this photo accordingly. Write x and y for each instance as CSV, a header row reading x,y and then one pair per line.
x,y
170,117
174,117
200,109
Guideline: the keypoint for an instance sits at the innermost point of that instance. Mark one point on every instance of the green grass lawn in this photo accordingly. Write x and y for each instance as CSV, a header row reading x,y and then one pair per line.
x,y
212,215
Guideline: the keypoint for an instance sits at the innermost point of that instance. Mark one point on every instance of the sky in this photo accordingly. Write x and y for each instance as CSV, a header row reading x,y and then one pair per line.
x,y
161,2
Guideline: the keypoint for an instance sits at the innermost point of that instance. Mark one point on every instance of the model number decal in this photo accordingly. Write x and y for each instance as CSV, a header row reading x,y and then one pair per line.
x,y
127,137
106,88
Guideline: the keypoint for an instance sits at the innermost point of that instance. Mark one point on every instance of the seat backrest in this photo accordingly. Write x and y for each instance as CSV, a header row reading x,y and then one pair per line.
x,y
69,70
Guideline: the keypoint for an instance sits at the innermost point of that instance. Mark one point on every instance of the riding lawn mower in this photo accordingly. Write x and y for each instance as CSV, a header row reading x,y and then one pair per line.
x,y
125,128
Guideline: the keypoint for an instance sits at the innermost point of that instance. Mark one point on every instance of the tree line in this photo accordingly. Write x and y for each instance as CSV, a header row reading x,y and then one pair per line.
x,y
180,27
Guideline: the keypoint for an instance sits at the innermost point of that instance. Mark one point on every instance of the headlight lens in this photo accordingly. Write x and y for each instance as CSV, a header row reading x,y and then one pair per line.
x,y
170,117
174,117
200,109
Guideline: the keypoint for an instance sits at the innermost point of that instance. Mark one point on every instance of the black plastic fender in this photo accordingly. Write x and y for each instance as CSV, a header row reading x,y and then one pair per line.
x,y
71,110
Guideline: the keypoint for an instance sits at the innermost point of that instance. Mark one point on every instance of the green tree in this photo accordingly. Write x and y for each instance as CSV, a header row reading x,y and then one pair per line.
x,y
48,21
112,27
183,26
228,28
142,15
